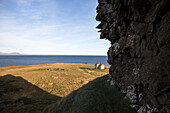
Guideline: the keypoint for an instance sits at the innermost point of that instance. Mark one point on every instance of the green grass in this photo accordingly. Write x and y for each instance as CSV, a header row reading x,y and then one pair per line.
x,y
95,97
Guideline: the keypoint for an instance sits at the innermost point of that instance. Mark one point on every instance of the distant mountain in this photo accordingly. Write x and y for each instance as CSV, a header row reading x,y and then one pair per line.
x,y
15,53
12,53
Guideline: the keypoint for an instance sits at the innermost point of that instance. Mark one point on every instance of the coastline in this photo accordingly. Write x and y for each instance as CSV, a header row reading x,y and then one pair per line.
x,y
13,60
40,64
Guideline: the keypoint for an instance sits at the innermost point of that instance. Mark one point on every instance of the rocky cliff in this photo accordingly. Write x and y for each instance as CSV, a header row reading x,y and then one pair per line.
x,y
139,55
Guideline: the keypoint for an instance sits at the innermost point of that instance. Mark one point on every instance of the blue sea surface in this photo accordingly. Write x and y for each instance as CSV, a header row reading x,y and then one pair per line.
x,y
12,60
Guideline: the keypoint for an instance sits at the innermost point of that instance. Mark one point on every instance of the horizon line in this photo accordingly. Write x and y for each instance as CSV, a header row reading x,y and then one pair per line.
x,y
53,54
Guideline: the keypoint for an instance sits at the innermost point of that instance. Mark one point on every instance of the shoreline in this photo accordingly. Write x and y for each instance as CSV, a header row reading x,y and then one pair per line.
x,y
41,64
45,64
47,59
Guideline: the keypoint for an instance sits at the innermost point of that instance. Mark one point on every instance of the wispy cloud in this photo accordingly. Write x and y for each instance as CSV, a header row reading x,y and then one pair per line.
x,y
44,27
23,2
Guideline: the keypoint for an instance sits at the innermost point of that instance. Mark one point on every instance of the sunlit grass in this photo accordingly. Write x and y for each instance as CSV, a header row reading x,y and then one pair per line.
x,y
95,97
59,78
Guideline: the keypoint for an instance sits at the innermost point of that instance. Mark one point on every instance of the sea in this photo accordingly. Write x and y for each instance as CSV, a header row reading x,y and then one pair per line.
x,y
13,60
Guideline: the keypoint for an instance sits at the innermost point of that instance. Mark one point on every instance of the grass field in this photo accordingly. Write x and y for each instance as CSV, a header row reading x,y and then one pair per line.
x,y
29,89
59,78
67,88
97,96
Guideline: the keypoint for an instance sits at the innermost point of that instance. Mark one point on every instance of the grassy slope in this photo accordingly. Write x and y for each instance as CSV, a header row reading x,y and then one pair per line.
x,y
19,96
95,97
58,79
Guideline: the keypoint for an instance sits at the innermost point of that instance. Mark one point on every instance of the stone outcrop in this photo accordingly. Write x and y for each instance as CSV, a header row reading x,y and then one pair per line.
x,y
139,32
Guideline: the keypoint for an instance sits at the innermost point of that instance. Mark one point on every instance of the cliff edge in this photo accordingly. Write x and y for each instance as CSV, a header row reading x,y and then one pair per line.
x,y
139,55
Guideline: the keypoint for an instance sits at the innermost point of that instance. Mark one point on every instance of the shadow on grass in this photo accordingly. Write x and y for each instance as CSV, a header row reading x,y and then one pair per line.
x,y
88,68
95,97
93,69
48,69
17,95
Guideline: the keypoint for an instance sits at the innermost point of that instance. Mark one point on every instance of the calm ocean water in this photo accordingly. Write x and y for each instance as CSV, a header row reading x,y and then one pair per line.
x,y
12,60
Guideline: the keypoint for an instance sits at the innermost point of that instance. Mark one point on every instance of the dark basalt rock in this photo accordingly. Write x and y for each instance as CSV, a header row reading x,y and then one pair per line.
x,y
139,32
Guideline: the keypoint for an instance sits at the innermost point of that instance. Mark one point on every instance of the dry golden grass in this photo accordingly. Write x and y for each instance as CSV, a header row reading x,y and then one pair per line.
x,y
97,96
59,78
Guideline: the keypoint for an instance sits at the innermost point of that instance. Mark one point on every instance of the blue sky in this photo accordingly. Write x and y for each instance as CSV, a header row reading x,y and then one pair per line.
x,y
52,27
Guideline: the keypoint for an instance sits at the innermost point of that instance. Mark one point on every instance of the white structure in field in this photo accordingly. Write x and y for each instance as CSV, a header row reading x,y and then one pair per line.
x,y
99,66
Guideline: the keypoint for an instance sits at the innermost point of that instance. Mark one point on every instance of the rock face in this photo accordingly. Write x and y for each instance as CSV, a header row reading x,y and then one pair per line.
x,y
139,32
